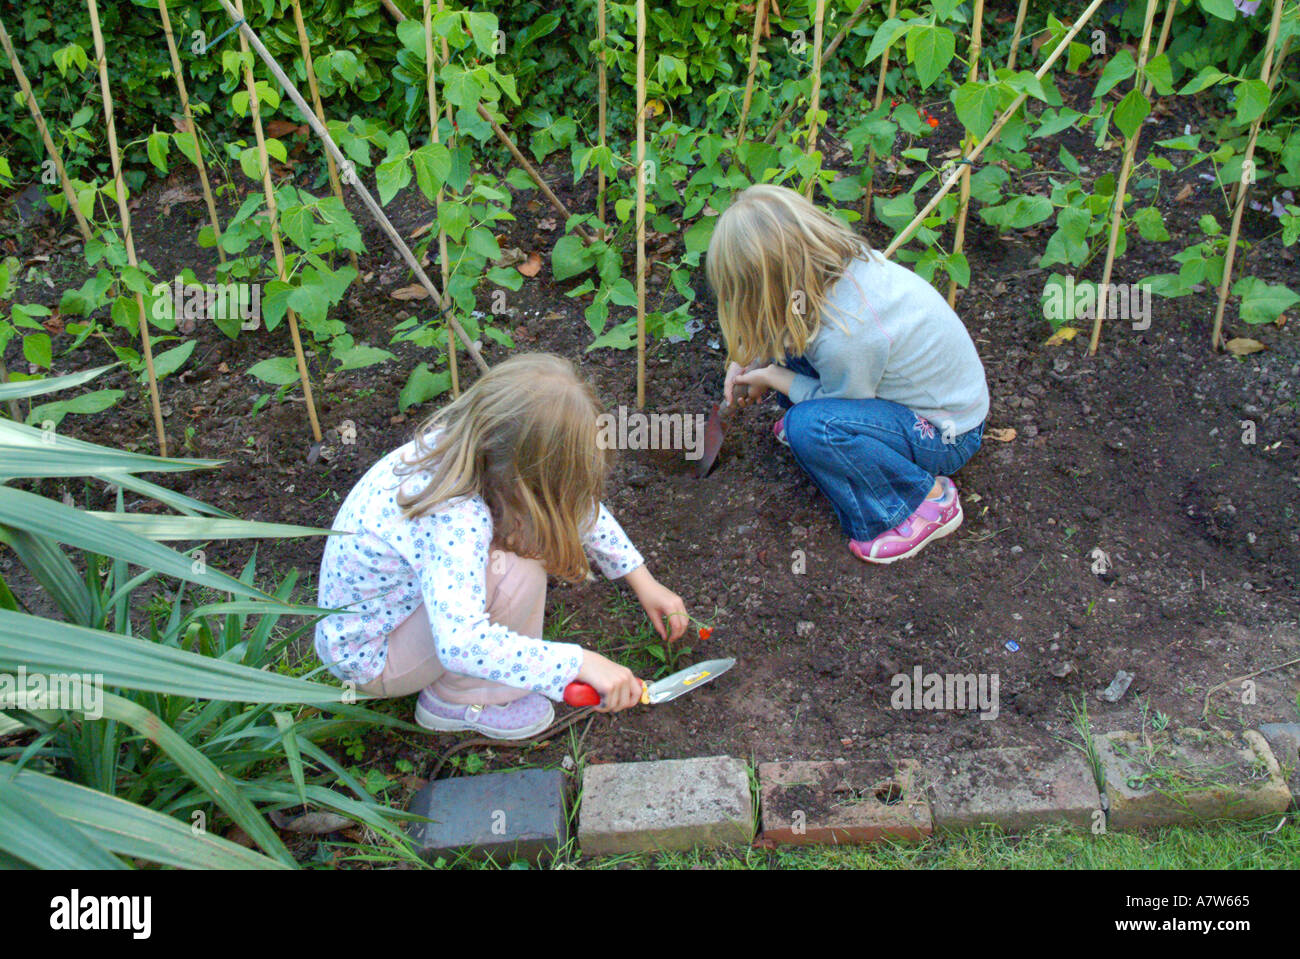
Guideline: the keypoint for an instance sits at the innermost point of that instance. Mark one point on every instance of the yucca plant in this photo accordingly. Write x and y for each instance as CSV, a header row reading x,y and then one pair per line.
x,y
191,722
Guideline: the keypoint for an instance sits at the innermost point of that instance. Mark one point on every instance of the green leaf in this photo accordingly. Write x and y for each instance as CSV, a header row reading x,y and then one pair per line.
x,y
977,106
43,517
930,49
278,371
432,166
95,401
157,147
1252,100
38,350
570,257
885,36
168,362
127,829
1151,224
1223,9
392,177
1208,77
1263,302
1117,69
423,385
50,384
1131,111
35,836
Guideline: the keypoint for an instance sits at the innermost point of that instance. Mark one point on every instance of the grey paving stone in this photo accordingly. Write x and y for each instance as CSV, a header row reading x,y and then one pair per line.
x,y
504,815
1189,775
1014,789
668,805
1284,740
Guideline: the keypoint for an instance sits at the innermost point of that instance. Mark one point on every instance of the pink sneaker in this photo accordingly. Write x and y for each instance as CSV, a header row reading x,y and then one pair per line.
x,y
778,430
933,519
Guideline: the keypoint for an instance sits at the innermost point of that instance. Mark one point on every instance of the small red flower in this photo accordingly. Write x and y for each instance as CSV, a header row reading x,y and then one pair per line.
x,y
920,112
706,632
933,121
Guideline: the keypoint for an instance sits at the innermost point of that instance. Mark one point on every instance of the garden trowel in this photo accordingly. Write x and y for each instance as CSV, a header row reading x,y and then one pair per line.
x,y
714,429
668,688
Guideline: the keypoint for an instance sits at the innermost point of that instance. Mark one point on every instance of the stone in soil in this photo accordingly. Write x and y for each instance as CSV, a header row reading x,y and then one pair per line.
x,y
504,815
1189,775
842,802
1014,789
1284,740
670,805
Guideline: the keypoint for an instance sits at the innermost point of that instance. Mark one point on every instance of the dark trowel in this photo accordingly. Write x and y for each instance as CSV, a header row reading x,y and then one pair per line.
x,y
715,428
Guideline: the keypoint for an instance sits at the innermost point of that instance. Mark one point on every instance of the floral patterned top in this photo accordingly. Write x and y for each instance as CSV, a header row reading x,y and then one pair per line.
x,y
389,565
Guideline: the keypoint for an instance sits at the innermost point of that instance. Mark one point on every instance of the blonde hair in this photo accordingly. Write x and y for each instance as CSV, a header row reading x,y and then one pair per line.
x,y
771,261
524,439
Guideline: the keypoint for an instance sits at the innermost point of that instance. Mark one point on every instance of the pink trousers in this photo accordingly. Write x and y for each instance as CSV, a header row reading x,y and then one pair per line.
x,y
516,599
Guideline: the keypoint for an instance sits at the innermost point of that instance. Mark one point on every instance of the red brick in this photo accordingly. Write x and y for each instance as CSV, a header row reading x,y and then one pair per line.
x,y
843,802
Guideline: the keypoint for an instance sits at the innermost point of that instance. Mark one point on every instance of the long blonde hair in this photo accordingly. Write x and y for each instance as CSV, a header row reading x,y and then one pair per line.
x,y
524,438
771,261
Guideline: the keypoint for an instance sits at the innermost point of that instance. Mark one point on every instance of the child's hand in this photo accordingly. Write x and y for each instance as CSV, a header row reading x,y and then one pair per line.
x,y
617,685
742,397
766,378
660,604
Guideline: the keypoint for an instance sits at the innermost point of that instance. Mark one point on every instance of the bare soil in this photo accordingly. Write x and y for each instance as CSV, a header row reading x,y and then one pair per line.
x,y
1137,452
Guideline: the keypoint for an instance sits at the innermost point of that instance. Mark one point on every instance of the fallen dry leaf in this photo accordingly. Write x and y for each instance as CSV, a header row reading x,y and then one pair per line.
x,y
547,223
1184,193
1063,335
420,231
1243,346
413,292
531,266
312,823
1002,435
510,256
283,128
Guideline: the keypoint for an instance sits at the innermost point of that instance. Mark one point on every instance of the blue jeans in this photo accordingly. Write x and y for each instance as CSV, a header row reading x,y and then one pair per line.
x,y
875,460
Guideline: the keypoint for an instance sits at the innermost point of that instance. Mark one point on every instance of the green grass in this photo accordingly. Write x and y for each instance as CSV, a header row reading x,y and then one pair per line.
x,y
1248,845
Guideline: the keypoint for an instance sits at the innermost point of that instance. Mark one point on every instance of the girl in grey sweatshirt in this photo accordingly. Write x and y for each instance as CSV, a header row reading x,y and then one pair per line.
x,y
884,393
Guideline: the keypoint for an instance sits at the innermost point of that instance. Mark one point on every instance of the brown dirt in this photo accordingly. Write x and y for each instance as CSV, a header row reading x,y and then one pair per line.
x,y
1136,452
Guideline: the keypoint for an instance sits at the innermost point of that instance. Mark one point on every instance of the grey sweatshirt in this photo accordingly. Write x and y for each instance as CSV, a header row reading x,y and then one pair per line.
x,y
888,334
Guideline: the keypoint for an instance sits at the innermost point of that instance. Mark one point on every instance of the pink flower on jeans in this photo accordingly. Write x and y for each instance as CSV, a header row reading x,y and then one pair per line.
x,y
924,427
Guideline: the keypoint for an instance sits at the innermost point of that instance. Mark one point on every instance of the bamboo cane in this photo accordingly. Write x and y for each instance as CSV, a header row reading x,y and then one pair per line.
x,y
819,24
760,12
1126,167
446,55
830,52
1277,65
880,98
531,170
273,215
952,178
431,79
348,173
191,127
973,74
314,89
1268,76
1163,41
146,345
1015,34
640,204
602,88
26,88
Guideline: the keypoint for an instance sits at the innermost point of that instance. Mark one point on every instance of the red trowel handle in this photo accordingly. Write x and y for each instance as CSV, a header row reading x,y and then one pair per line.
x,y
580,694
